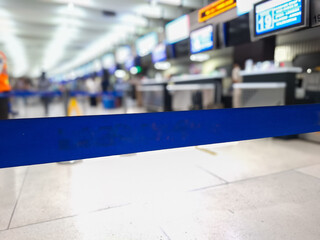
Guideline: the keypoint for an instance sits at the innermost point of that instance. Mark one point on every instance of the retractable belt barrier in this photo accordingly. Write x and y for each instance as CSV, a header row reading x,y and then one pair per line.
x,y
46,140
26,94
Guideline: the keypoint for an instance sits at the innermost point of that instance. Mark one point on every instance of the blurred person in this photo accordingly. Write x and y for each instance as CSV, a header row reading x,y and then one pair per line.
x,y
92,90
236,93
4,87
236,76
105,80
44,87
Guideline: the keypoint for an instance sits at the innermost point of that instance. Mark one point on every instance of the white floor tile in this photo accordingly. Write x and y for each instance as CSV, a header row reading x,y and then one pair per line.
x,y
254,158
53,191
123,223
313,170
11,180
282,206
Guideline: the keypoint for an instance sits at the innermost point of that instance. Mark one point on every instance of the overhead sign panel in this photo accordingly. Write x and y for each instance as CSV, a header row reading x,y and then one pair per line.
x,y
278,15
146,43
202,39
215,9
178,29
245,6
315,13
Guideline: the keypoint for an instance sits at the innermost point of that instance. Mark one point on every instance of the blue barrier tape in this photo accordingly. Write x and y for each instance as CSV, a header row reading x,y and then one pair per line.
x,y
37,141
25,94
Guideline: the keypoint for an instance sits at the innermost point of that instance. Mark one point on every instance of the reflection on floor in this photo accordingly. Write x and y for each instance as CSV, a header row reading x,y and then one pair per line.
x,y
259,189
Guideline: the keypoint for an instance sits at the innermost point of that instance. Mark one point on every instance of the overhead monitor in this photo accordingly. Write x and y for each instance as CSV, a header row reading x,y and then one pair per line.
x,y
178,29
236,31
216,8
122,54
202,39
245,6
159,53
108,62
129,63
273,16
146,43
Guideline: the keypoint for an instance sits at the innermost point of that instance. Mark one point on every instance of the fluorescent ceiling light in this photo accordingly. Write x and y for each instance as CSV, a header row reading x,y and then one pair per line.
x,y
148,10
134,19
170,2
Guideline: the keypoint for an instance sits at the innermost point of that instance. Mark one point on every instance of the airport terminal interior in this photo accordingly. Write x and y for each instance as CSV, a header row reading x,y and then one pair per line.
x,y
78,60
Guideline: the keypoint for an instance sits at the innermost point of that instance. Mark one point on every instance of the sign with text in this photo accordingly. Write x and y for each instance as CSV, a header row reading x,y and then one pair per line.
x,y
215,8
315,13
277,15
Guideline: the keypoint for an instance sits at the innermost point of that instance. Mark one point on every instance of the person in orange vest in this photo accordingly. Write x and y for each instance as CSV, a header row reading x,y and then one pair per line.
x,y
4,87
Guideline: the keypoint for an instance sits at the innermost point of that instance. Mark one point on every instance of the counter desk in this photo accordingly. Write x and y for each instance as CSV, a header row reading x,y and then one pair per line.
x,y
285,75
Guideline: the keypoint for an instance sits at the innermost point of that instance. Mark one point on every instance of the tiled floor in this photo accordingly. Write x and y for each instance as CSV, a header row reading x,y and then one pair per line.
x,y
259,189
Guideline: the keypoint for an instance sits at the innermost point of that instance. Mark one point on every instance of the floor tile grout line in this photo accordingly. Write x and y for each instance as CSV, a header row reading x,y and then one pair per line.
x,y
211,173
18,198
164,232
239,181
70,216
306,174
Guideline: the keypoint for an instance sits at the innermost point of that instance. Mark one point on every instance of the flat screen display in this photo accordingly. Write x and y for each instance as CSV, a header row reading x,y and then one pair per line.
x,y
108,62
129,63
202,39
122,54
245,6
178,29
146,43
159,53
276,15
237,31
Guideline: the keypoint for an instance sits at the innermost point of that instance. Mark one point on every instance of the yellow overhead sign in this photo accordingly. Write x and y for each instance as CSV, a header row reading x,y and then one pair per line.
x,y
215,8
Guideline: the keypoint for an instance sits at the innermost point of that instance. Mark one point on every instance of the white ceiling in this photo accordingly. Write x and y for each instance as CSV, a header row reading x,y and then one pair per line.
x,y
58,35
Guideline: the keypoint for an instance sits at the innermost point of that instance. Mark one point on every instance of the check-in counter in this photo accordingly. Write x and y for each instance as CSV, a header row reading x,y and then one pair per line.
x,y
182,92
183,96
285,75
258,94
155,95
214,79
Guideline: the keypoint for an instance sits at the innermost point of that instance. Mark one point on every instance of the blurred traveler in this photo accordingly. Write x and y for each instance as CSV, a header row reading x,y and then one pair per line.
x,y
44,87
236,77
236,93
92,90
4,87
105,80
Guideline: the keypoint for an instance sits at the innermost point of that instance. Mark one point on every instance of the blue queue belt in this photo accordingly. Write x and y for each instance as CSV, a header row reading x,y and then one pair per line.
x,y
27,94
47,140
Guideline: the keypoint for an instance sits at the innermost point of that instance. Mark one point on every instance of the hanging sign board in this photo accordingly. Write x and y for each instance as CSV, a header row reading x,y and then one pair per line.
x,y
215,8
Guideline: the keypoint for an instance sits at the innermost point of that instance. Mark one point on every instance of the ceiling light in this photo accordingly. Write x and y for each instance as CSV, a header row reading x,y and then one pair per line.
x,y
309,70
70,6
170,2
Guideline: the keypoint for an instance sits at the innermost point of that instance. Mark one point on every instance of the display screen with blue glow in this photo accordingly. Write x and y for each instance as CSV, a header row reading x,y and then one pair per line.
x,y
146,43
178,29
276,15
159,53
245,6
202,39
129,63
